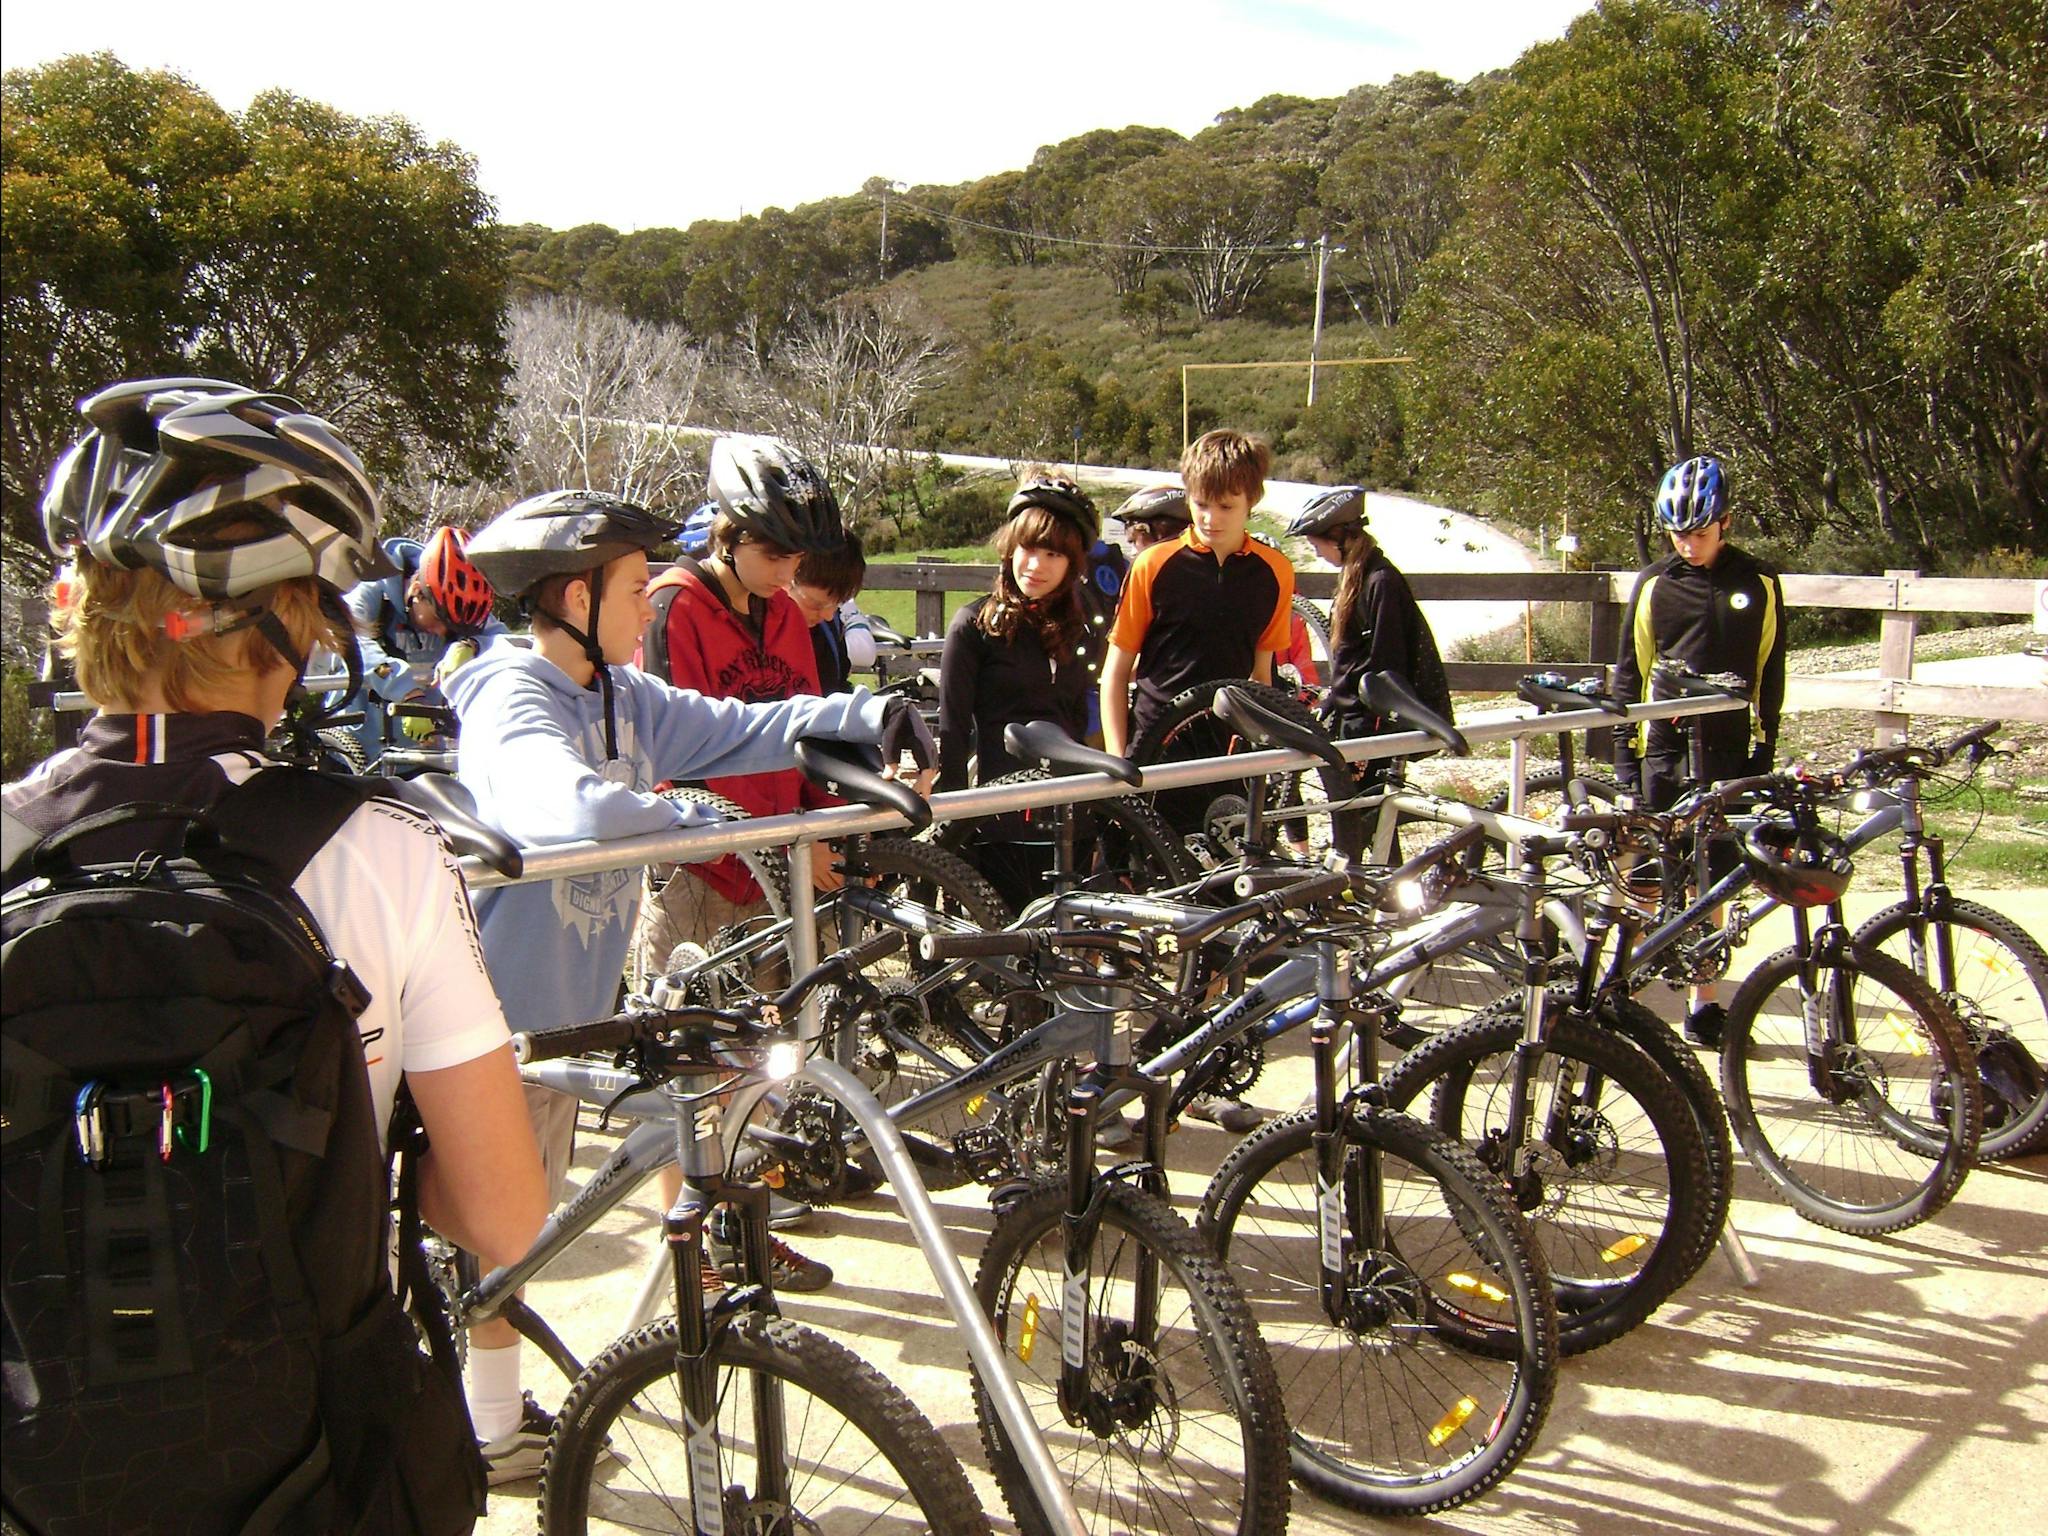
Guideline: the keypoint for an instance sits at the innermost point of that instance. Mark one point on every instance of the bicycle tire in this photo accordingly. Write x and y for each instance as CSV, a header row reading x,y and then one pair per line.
x,y
1620,1211
769,873
1185,730
1456,1383
585,1488
1874,1163
1318,627
1542,799
2002,1001
1134,849
1216,1373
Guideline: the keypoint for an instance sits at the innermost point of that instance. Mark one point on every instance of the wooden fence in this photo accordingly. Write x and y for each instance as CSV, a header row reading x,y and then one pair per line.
x,y
1902,597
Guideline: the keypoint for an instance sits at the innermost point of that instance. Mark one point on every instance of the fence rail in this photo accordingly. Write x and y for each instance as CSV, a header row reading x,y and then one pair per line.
x,y
1891,697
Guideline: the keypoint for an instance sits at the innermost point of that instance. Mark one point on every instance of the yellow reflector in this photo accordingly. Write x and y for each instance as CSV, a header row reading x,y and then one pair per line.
x,y
1622,1247
974,1104
772,1176
1027,1336
1908,1031
1999,964
1472,1285
1453,1421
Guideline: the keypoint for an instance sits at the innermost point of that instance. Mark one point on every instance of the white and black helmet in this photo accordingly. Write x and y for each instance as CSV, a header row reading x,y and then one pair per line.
x,y
1064,500
1156,504
776,494
1342,506
225,491
561,533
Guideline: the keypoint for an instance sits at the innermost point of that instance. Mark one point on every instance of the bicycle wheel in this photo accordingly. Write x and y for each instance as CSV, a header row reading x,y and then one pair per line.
x,y
1997,984
1121,844
770,873
1615,1187
859,1456
1437,1380
1185,730
1879,1134
1318,626
1184,1430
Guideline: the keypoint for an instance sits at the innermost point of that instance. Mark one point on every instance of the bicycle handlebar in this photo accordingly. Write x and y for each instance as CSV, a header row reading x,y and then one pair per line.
x,y
1302,893
844,962
1021,942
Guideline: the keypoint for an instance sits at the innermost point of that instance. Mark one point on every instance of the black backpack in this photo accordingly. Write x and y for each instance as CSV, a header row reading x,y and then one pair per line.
x,y
201,1333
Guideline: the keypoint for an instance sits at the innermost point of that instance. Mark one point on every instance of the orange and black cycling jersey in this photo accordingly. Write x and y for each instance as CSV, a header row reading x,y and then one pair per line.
x,y
1190,618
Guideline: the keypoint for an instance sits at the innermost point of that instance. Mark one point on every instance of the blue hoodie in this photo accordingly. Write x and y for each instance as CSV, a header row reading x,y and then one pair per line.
x,y
533,755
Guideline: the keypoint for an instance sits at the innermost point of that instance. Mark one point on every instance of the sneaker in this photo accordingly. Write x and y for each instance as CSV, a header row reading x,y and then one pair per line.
x,y
519,1454
1230,1114
784,1214
788,1269
1704,1024
1117,1131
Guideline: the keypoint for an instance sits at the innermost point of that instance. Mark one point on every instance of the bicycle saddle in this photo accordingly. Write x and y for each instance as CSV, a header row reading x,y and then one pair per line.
x,y
1683,683
842,770
1385,694
1552,690
444,798
1255,723
1041,741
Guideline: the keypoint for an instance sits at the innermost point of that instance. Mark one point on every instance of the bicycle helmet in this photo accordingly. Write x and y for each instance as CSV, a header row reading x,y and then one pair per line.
x,y
224,491
1801,869
776,494
567,533
1157,504
1328,512
695,538
1063,499
1693,495
456,588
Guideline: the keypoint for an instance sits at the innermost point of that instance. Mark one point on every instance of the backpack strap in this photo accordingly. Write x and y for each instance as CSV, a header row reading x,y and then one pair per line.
x,y
17,849
281,817
654,640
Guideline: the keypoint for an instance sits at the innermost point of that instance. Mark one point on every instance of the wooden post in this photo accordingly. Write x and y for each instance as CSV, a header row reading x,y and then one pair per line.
x,y
1895,662
931,612
1603,646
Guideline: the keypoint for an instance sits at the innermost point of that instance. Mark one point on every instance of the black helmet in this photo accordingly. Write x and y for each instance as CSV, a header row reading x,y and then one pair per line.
x,y
561,533
169,463
1801,869
1342,506
776,494
1157,504
1063,499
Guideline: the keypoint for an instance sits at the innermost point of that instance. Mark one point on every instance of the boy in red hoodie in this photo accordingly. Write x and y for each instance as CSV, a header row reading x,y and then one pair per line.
x,y
726,628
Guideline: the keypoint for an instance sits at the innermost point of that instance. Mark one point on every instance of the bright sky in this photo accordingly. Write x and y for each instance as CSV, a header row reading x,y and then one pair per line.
x,y
639,114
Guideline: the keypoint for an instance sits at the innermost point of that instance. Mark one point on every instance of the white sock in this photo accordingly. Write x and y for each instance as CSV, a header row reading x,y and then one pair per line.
x,y
491,1382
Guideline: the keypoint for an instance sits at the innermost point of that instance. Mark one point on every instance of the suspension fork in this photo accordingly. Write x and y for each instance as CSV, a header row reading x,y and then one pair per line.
x,y
1345,1188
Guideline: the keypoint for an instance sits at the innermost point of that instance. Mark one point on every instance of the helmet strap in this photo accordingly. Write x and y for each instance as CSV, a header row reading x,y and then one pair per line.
x,y
587,638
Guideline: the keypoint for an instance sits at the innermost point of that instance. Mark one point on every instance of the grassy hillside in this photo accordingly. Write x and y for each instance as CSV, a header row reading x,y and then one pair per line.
x,y
1041,350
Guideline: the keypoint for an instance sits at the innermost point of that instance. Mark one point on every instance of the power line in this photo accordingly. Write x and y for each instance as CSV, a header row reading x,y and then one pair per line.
x,y
1101,245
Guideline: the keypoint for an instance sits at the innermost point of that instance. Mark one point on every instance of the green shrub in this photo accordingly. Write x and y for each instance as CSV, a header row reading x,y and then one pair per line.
x,y
1560,633
967,513
25,737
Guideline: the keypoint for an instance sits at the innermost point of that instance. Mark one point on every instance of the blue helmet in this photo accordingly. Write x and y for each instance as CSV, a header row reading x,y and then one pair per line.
x,y
695,538
1693,495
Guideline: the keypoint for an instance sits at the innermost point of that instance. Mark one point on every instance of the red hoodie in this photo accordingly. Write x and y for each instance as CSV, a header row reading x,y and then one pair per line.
x,y
717,652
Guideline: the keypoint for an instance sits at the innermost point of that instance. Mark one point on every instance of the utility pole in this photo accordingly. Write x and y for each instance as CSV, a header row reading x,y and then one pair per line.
x,y
1315,345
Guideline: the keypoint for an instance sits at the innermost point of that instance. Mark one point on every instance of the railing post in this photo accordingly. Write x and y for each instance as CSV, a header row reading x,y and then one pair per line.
x,y
931,610
1603,645
1895,660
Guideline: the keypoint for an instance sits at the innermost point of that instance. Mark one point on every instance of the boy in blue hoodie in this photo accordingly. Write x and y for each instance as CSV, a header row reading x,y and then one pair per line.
x,y
563,742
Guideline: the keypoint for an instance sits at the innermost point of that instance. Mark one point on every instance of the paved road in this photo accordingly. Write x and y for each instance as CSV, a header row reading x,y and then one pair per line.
x,y
1895,1385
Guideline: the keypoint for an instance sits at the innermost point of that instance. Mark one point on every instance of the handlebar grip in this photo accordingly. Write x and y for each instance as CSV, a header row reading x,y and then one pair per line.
x,y
610,1034
977,946
840,963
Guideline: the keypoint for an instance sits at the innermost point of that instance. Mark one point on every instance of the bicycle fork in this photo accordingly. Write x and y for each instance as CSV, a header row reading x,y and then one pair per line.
x,y
1355,1189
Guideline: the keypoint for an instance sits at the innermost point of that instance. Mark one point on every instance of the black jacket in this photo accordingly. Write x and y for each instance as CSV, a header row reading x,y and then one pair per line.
x,y
985,684
1726,617
1384,632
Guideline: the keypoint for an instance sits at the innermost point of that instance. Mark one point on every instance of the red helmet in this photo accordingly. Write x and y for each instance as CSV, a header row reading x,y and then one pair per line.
x,y
456,588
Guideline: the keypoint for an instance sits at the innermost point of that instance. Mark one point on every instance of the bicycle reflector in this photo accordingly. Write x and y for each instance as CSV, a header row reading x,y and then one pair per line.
x,y
1801,869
